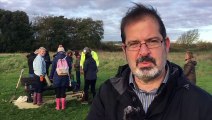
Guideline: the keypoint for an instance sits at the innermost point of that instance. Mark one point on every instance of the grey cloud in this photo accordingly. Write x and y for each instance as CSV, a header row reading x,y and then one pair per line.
x,y
108,4
59,4
2,5
187,15
202,3
178,16
13,5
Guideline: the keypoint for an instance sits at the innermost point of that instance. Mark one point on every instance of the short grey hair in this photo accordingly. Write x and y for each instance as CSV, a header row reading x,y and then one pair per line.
x,y
42,48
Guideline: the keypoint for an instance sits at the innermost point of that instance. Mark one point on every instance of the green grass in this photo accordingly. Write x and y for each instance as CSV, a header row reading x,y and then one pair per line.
x,y
11,65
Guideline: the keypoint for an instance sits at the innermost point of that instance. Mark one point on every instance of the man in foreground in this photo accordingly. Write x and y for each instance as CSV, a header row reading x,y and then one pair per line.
x,y
149,87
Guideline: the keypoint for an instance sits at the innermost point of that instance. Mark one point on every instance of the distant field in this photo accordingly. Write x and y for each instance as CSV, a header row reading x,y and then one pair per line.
x,y
11,64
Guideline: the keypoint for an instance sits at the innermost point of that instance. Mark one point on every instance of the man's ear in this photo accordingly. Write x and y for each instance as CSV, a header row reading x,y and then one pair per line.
x,y
167,40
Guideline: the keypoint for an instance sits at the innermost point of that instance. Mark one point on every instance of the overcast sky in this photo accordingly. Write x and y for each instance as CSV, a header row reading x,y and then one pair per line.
x,y
178,15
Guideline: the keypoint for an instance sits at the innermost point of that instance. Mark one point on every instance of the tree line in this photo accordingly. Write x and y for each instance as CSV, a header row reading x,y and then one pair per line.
x,y
189,40
17,33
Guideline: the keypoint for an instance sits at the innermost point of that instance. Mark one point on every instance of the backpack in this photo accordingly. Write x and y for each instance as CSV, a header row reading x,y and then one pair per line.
x,y
62,67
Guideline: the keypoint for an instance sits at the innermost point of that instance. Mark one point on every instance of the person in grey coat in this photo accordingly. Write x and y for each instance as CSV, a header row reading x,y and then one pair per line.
x,y
189,67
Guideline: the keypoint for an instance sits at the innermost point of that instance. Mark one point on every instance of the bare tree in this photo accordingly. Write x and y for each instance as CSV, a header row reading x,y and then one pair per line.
x,y
189,37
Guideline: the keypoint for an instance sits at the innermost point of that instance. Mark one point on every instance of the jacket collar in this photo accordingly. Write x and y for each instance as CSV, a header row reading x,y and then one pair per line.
x,y
176,81
121,81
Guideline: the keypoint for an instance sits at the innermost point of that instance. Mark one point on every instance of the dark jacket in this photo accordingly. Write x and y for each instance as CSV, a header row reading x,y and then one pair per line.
x,y
30,59
90,68
189,71
77,63
59,81
48,62
178,100
70,61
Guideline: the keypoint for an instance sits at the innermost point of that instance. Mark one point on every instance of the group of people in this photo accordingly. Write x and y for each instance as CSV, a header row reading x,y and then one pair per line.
x,y
149,87
60,73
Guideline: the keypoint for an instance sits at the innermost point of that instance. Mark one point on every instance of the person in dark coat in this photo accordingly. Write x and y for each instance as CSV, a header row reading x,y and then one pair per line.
x,y
48,62
77,68
178,100
90,74
30,59
189,67
149,87
60,82
69,54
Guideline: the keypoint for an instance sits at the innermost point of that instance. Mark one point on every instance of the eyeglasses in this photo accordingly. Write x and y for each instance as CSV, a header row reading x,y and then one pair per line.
x,y
136,45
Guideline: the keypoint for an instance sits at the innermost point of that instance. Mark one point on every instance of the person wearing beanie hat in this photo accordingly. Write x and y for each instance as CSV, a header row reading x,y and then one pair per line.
x,y
93,53
90,76
60,82
60,49
86,49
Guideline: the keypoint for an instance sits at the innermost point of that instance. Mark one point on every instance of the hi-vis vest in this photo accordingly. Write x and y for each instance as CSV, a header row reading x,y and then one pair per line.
x,y
94,56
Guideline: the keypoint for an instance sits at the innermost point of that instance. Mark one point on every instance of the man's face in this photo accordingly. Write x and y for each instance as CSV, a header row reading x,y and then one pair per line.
x,y
42,52
146,64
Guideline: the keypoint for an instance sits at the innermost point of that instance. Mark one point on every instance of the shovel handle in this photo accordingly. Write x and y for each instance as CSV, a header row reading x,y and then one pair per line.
x,y
22,70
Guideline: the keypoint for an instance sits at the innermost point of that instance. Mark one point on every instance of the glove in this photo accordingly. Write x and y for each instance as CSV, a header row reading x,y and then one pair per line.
x,y
41,78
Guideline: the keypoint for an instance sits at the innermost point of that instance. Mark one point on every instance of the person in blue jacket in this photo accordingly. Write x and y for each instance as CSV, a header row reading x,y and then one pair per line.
x,y
60,82
39,68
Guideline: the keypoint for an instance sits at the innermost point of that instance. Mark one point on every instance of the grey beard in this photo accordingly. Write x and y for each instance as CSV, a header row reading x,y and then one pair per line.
x,y
147,74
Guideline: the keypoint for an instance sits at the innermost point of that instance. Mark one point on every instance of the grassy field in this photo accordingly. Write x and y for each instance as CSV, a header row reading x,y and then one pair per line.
x,y
11,65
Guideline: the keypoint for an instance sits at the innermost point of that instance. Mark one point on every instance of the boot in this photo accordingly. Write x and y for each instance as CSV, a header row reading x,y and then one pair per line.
x,y
63,101
34,98
84,100
57,103
29,99
39,98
